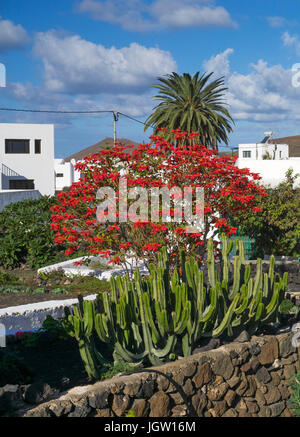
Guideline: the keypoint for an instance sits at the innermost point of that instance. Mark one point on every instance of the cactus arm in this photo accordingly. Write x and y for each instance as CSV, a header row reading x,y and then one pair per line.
x,y
227,319
211,263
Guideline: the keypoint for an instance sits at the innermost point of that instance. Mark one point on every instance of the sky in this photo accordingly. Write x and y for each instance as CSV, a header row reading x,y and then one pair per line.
x,y
84,55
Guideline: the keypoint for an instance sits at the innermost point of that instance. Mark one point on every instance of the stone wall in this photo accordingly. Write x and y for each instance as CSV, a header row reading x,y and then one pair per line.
x,y
236,380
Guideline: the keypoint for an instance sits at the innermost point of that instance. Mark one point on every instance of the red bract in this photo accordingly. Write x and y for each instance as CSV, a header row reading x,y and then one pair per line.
x,y
154,165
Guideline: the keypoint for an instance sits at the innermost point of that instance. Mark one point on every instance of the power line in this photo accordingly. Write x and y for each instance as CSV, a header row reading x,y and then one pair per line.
x,y
134,119
115,115
55,112
50,111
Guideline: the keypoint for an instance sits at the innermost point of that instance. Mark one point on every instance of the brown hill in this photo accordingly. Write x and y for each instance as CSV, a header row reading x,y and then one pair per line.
x,y
104,144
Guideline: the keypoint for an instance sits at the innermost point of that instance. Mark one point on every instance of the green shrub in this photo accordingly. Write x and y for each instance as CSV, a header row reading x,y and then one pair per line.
x,y
295,397
26,236
287,307
88,285
12,369
74,283
7,278
165,316
4,290
277,228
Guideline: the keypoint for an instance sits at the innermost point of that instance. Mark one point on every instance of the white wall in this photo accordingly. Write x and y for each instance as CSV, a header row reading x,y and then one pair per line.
x,y
39,167
279,151
68,171
272,172
13,196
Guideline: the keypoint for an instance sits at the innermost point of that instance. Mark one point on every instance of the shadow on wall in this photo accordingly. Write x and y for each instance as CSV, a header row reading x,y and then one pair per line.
x,y
10,196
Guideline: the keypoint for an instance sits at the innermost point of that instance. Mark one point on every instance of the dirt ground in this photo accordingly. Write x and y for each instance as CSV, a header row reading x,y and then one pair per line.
x,y
15,299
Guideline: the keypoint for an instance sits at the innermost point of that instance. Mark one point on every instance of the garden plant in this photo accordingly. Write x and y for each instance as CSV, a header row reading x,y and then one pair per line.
x,y
164,316
158,164
277,228
295,397
26,235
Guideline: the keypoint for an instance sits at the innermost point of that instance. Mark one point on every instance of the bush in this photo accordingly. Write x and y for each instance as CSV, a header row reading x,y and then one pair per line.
x,y
13,370
6,278
26,236
158,164
73,284
295,397
276,228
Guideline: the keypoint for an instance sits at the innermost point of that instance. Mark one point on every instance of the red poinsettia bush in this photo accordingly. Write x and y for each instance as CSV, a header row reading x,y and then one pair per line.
x,y
101,225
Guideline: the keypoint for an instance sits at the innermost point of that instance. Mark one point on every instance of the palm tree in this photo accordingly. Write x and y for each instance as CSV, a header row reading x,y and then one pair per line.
x,y
192,104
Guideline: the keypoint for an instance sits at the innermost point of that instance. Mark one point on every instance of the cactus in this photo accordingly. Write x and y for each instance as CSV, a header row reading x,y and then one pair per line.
x,y
80,325
164,316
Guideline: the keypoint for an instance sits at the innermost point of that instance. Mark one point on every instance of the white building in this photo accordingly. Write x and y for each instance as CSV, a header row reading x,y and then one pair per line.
x,y
271,158
27,158
65,174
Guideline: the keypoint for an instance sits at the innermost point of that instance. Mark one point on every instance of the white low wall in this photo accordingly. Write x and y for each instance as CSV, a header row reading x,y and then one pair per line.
x,y
70,269
30,317
12,196
272,171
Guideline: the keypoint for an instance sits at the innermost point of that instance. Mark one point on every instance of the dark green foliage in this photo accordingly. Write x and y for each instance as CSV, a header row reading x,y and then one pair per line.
x,y
287,307
4,290
7,278
53,329
295,397
12,369
26,236
73,284
88,285
277,228
110,370
162,317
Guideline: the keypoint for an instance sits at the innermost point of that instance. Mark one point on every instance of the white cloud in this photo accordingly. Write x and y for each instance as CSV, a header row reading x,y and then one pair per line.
x,y
12,36
78,74
265,94
76,66
138,16
278,21
291,41
219,64
190,13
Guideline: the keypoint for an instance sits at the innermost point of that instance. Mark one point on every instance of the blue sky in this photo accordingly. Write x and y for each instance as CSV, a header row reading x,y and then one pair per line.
x,y
105,54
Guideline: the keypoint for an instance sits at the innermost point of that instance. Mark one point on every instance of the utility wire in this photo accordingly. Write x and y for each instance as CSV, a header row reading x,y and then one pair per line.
x,y
115,114
134,119
55,112
48,111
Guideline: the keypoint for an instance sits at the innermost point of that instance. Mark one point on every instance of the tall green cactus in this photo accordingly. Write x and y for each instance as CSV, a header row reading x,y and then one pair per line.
x,y
80,325
164,316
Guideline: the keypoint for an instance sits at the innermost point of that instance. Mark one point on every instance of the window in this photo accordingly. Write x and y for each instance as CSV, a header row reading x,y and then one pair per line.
x,y
16,146
21,184
246,154
60,175
37,146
